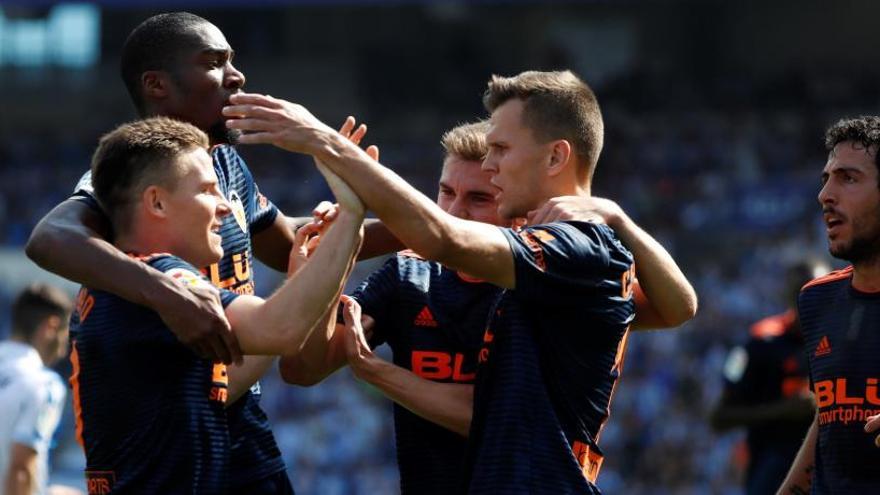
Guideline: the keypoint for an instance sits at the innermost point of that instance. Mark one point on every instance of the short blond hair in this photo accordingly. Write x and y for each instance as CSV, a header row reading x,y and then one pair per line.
x,y
557,105
136,154
467,141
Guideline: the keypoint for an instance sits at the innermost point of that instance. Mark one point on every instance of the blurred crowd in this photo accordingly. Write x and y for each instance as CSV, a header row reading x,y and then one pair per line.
x,y
723,172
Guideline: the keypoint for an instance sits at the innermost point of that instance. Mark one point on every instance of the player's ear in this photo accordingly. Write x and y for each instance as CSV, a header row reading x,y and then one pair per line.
x,y
154,85
154,201
560,156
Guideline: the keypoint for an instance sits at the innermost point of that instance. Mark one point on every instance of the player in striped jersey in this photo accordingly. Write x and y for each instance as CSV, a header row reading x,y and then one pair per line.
x,y
433,319
839,315
150,412
553,349
179,64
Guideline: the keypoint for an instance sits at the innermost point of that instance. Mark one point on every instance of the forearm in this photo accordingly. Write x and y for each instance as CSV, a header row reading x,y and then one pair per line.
x,y
320,357
409,215
662,281
243,376
378,240
62,244
475,248
800,476
284,321
449,405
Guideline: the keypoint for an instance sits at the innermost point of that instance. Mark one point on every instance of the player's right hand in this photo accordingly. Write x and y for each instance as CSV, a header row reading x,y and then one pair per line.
x,y
196,317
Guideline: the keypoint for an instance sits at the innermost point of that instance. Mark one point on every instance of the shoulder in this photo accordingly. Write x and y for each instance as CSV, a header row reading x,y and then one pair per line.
x,y
773,326
832,278
574,239
227,157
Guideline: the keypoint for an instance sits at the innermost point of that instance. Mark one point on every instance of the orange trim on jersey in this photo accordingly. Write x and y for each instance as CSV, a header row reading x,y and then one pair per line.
x,y
618,366
773,326
589,461
146,257
77,404
468,279
831,277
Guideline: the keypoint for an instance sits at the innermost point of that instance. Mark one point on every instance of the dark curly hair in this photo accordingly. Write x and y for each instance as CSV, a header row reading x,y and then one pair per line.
x,y
864,130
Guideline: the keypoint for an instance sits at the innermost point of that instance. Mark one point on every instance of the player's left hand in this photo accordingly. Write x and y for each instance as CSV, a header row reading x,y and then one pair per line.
x,y
269,120
357,350
585,209
872,426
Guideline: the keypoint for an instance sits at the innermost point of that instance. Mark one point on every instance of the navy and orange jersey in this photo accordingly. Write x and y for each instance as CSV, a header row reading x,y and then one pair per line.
x,y
770,367
255,454
433,320
551,356
150,413
841,340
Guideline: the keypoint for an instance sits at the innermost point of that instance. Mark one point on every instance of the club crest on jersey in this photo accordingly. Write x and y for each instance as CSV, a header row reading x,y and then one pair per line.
x,y
187,278
238,211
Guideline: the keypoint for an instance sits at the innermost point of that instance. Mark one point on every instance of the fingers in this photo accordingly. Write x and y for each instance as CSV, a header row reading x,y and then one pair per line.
x,y
251,111
219,350
230,342
253,124
347,126
358,134
256,99
373,152
351,311
873,423
323,207
255,137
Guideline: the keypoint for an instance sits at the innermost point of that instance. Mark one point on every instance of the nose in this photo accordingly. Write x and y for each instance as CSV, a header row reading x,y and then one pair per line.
x,y
223,207
234,78
459,209
490,164
826,195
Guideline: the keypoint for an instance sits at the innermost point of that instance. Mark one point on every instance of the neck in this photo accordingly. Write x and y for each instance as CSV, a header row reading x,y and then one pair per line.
x,y
144,240
866,276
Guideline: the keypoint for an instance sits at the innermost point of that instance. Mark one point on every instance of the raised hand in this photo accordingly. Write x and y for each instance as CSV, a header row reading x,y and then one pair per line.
x,y
268,120
196,317
587,209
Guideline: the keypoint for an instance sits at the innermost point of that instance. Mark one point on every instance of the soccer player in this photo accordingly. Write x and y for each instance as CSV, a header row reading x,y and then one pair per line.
x,y
839,316
766,390
179,64
552,351
150,413
433,319
31,394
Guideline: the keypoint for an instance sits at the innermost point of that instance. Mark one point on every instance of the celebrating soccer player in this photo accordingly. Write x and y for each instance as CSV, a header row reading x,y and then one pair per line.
x,y
839,315
180,65
151,413
433,319
552,352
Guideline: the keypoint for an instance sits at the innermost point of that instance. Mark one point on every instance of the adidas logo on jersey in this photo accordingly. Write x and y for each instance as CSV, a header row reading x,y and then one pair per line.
x,y
425,318
824,347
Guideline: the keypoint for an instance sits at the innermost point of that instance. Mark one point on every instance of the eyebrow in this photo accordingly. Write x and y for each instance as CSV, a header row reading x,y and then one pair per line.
x,y
218,51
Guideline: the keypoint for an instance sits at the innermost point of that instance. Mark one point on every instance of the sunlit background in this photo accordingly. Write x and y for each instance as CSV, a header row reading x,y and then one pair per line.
x,y
714,116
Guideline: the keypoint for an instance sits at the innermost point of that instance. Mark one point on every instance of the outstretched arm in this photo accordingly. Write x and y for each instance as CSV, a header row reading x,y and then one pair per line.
x,y
70,241
664,297
283,322
475,248
449,405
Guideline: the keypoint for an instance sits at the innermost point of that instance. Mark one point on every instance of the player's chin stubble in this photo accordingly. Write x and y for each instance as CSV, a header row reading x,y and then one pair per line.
x,y
219,133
